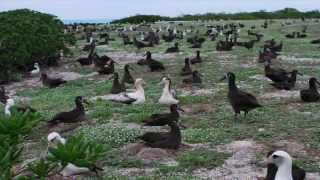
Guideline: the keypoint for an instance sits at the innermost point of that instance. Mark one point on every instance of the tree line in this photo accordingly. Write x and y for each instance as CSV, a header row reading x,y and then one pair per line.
x,y
287,13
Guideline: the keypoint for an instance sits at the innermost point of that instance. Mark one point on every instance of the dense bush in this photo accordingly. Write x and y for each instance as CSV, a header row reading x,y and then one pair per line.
x,y
281,14
25,37
78,151
13,129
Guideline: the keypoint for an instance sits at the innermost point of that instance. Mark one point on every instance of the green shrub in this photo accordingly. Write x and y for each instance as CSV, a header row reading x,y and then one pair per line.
x,y
25,37
12,131
18,125
78,151
41,168
9,155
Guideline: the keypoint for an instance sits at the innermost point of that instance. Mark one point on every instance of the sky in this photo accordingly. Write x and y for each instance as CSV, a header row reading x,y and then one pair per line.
x,y
115,9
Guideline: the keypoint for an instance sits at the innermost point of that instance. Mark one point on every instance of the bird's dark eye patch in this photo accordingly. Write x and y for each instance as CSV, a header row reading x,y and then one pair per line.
x,y
275,156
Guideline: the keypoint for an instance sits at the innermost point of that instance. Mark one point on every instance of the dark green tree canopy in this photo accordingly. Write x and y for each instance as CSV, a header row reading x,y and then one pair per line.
x,y
27,36
281,14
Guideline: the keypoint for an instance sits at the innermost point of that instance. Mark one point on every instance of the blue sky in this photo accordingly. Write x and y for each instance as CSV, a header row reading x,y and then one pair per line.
x,y
91,9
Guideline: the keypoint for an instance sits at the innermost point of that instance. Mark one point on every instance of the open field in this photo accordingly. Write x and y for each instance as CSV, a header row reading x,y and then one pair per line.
x,y
215,145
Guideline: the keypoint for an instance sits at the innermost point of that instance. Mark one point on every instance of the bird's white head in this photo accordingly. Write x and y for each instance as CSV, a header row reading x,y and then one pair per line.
x,y
54,137
139,82
284,163
280,158
164,80
10,102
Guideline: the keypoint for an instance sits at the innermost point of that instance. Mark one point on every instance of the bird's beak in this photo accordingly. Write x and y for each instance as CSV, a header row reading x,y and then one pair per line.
x,y
115,62
269,160
180,109
86,101
111,77
111,60
132,69
300,74
223,78
182,126
161,82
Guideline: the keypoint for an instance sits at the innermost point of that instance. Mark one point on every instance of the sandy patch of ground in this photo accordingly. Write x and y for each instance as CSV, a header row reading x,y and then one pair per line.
x,y
150,155
197,92
244,164
282,95
194,109
240,165
68,76
260,77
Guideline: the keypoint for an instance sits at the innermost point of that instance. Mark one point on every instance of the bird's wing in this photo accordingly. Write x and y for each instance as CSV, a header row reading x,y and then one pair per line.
x,y
174,93
122,97
247,98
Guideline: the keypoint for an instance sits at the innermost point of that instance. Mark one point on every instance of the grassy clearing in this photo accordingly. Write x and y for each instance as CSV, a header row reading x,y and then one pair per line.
x,y
267,125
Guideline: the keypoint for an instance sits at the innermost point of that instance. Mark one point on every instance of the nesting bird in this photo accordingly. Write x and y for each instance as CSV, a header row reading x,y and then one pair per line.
x,y
280,167
88,60
100,62
78,114
288,83
168,94
196,59
51,82
168,140
145,61
36,70
155,65
186,70
275,75
173,49
117,87
127,78
164,119
108,68
136,97
311,94
55,138
152,64
195,79
140,44
240,100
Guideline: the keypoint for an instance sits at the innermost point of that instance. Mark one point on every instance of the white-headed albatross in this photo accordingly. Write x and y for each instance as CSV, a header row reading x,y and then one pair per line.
x,y
135,97
168,94
280,167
